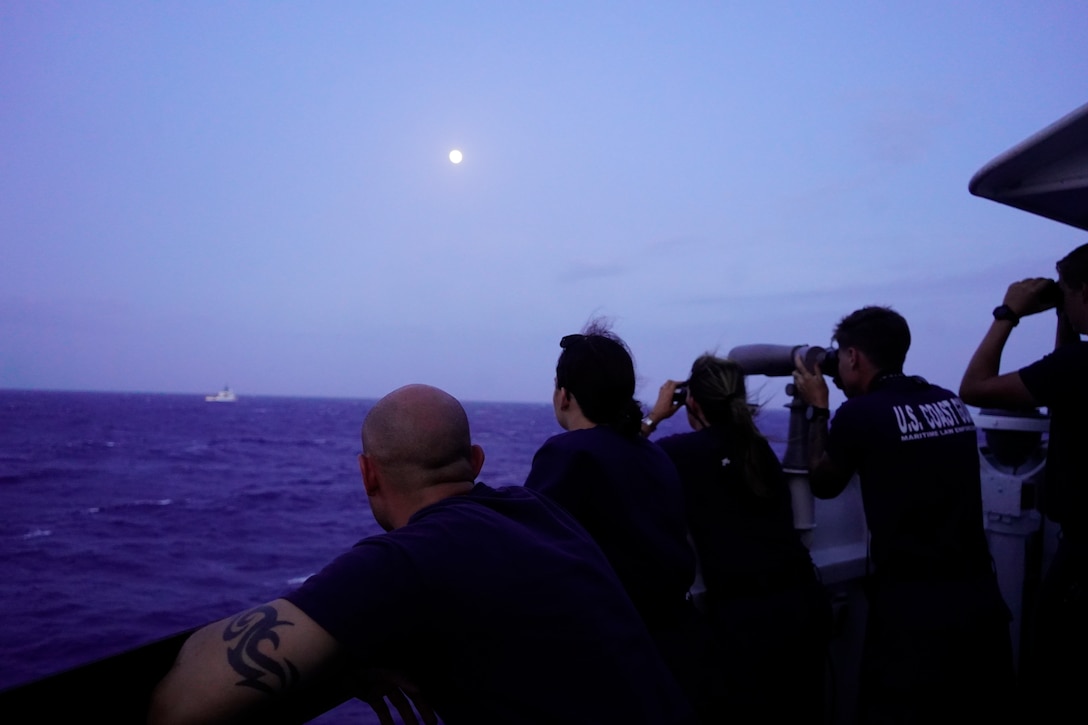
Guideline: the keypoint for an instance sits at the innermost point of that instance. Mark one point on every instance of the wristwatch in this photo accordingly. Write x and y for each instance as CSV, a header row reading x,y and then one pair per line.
x,y
648,422
1004,312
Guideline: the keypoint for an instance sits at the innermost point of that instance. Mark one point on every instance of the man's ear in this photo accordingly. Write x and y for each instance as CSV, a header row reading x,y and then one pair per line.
x,y
564,399
370,476
852,358
477,459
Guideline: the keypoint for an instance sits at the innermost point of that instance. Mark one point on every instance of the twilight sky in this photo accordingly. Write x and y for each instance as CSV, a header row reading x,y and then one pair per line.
x,y
259,193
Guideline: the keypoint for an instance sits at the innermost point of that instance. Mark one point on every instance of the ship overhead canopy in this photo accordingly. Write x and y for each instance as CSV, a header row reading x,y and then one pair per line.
x,y
1046,174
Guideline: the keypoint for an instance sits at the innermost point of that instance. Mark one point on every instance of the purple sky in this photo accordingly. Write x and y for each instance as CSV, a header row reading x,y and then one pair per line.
x,y
259,194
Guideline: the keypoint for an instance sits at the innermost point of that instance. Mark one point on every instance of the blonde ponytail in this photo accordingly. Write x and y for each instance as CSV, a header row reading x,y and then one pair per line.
x,y
717,385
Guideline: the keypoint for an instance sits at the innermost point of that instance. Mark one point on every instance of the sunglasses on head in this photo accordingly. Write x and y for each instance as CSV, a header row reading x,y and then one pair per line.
x,y
568,340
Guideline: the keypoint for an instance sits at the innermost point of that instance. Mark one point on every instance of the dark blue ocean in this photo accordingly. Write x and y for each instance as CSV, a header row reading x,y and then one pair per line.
x,y
130,517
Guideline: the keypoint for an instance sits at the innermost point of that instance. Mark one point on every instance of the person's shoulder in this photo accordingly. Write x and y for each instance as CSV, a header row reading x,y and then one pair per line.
x,y
673,442
949,401
596,435
684,442
649,448
570,448
897,390
855,406
1074,353
481,495
937,392
853,420
500,513
556,441
597,441
1080,347
571,440
1058,377
473,514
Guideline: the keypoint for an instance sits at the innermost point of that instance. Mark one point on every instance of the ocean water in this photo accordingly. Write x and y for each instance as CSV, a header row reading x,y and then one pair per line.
x,y
125,518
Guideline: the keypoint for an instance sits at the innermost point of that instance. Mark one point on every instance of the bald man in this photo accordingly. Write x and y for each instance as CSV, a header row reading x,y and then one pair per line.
x,y
493,603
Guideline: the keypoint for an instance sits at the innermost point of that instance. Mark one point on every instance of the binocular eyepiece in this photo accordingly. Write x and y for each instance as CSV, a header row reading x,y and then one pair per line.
x,y
778,360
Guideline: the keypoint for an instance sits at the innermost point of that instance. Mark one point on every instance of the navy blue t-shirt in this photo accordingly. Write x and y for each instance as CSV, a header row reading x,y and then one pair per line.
x,y
1060,382
745,540
915,450
502,609
626,493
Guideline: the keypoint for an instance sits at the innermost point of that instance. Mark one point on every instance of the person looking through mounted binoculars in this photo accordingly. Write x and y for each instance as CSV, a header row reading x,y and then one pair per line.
x,y
937,640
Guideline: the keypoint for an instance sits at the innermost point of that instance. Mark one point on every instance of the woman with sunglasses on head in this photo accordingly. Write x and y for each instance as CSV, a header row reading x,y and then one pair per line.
x,y
626,493
769,614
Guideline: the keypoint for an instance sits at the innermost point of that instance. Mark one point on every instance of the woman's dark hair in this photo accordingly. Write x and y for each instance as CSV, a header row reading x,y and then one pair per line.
x,y
596,368
717,385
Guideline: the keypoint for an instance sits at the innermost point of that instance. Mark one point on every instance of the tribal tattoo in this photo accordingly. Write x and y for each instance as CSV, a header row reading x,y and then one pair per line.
x,y
250,629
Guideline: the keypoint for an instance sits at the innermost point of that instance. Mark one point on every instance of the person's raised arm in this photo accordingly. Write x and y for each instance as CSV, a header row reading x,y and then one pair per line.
x,y
826,478
664,408
983,384
236,667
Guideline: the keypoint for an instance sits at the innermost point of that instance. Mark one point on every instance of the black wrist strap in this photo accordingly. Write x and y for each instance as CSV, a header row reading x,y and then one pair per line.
x,y
1004,312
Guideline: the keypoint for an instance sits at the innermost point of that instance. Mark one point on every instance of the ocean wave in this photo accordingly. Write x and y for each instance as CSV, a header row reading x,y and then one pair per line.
x,y
137,503
90,443
48,473
37,533
277,441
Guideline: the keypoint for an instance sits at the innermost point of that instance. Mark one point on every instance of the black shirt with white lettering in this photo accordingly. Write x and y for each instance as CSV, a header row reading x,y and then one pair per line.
x,y
914,447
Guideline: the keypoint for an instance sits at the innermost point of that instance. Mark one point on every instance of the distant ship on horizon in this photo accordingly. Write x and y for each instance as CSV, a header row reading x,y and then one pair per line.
x,y
226,395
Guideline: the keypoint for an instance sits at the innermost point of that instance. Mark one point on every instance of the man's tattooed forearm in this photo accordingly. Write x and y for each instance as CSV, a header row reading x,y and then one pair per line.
x,y
259,671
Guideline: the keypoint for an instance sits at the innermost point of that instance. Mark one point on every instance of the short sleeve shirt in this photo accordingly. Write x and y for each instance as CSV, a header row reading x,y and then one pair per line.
x,y
502,609
627,494
1060,382
915,449
740,535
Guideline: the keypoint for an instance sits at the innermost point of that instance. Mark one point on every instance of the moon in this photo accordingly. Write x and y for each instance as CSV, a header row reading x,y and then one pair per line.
x,y
456,156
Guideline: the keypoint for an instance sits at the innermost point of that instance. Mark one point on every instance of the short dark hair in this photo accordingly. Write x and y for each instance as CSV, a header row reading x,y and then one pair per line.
x,y
1073,267
879,332
596,368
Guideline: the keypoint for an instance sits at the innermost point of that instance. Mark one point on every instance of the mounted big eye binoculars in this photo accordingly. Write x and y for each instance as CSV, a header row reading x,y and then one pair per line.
x,y
780,361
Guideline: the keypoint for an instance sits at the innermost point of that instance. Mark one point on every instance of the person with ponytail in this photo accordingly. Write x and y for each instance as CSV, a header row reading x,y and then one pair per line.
x,y
625,492
769,615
